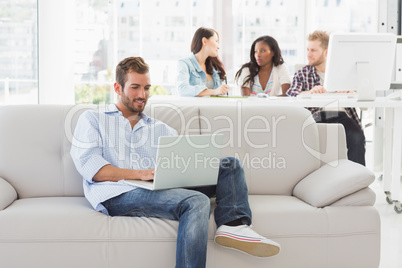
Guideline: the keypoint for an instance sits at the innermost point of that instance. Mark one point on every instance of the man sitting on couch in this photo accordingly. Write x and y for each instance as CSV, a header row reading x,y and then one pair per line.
x,y
103,143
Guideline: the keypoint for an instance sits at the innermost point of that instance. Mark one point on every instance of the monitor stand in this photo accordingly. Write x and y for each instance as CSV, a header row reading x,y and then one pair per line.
x,y
365,89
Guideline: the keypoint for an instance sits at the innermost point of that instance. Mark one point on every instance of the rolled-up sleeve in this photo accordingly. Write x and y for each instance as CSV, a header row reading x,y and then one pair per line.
x,y
184,87
86,149
297,85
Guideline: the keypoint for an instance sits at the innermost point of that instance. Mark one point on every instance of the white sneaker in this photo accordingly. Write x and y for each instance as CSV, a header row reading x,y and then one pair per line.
x,y
245,239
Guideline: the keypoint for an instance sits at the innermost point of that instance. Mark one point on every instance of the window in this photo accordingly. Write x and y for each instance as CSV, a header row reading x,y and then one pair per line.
x,y
344,15
93,49
89,37
287,20
18,52
283,20
144,29
165,37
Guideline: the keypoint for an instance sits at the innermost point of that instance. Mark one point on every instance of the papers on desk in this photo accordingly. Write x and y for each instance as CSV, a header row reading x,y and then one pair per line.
x,y
230,96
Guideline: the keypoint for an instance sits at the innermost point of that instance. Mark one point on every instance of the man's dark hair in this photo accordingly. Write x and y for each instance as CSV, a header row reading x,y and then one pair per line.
x,y
128,65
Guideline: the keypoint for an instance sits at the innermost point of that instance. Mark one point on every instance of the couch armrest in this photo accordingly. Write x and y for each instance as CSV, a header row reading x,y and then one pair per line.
x,y
7,194
332,182
332,142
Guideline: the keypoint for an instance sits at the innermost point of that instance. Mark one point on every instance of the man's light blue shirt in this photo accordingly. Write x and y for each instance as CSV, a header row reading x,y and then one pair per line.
x,y
104,137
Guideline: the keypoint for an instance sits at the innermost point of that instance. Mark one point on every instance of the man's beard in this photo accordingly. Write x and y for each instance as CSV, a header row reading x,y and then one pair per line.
x,y
318,61
129,104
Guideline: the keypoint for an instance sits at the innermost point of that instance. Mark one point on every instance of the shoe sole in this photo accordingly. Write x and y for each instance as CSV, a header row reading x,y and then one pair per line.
x,y
256,249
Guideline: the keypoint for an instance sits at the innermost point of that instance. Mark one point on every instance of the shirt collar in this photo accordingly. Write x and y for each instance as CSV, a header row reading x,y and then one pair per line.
x,y
112,108
194,60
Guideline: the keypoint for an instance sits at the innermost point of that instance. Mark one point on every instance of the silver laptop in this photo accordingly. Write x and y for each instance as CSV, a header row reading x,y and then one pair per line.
x,y
185,161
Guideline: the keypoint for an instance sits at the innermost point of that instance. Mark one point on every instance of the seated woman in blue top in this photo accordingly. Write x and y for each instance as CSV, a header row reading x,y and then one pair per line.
x,y
201,74
266,72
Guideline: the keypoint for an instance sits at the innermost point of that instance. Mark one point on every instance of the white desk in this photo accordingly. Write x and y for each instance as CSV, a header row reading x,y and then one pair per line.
x,y
392,127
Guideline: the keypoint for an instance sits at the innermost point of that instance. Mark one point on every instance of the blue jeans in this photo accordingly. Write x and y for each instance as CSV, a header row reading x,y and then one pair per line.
x,y
191,207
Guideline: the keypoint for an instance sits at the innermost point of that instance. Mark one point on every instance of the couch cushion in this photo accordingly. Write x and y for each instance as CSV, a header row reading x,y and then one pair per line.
x,y
68,225
52,219
73,219
183,118
364,197
322,231
33,151
332,182
67,232
45,154
275,144
247,127
7,194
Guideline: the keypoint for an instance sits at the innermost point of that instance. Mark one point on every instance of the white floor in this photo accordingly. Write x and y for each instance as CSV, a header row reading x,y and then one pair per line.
x,y
391,230
391,222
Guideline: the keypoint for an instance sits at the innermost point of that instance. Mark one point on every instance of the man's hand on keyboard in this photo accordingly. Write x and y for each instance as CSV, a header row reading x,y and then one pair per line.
x,y
349,91
317,89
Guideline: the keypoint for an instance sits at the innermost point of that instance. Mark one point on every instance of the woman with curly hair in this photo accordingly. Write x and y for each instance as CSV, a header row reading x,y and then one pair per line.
x,y
266,72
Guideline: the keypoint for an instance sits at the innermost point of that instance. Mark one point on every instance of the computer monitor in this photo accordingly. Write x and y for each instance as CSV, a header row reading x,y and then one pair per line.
x,y
361,62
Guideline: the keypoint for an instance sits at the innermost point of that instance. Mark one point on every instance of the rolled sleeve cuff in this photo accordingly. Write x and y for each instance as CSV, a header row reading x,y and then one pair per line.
x,y
92,166
199,89
293,92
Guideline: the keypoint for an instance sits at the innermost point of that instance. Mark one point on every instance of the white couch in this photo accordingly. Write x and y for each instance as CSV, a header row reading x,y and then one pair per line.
x,y
321,214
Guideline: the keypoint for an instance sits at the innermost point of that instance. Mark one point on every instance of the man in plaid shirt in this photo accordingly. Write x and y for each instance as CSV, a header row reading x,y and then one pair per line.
x,y
309,80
